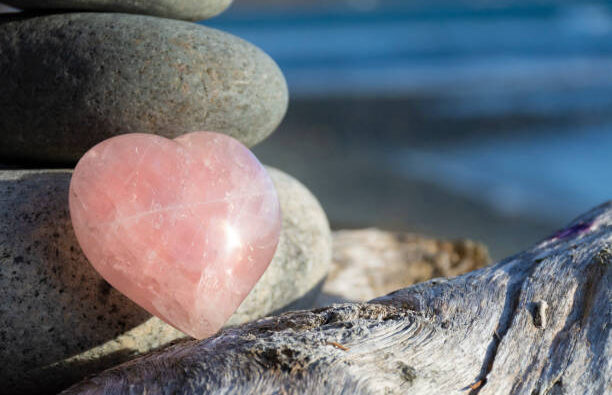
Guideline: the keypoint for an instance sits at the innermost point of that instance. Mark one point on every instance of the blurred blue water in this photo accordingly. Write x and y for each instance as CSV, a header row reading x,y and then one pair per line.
x,y
470,60
395,49
530,175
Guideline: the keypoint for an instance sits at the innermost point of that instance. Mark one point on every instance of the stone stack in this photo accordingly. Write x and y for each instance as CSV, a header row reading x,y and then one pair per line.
x,y
71,79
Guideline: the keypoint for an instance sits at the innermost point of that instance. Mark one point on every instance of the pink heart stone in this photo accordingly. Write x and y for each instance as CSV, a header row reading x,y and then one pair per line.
x,y
183,227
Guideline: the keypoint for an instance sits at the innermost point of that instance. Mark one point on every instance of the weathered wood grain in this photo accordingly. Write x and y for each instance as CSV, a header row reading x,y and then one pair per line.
x,y
536,323
368,263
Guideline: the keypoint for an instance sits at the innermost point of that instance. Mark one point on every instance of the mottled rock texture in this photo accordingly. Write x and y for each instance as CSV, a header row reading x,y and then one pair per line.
x,y
535,323
191,10
369,263
59,320
54,304
70,81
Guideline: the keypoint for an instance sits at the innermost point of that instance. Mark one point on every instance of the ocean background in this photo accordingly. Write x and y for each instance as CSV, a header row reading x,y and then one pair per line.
x,y
481,119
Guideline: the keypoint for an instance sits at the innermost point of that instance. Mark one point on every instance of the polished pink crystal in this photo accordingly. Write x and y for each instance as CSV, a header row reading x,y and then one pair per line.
x,y
183,227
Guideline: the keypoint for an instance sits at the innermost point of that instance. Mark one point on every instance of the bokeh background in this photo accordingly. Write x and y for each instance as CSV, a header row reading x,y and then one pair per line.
x,y
482,119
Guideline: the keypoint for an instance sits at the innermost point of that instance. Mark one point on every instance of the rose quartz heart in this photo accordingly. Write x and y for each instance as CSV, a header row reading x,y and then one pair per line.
x,y
183,227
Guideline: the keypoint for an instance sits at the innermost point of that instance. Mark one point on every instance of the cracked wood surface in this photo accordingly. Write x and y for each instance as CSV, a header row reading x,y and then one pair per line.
x,y
537,323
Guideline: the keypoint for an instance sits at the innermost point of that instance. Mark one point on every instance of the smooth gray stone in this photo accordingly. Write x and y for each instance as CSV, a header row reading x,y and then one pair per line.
x,y
70,81
191,10
60,321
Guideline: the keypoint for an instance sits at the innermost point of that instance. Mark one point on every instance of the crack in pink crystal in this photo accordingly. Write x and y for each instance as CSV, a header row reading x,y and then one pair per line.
x,y
173,208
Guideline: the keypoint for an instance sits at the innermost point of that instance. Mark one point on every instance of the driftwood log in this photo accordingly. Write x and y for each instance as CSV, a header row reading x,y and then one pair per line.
x,y
536,323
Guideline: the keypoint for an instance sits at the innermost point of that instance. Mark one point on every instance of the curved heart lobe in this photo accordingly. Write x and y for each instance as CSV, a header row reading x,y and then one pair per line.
x,y
183,227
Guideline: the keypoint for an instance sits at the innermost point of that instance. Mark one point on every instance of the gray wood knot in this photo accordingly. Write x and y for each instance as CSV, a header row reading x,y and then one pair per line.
x,y
406,372
604,256
538,312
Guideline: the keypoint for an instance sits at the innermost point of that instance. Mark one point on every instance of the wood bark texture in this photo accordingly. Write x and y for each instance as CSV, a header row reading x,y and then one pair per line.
x,y
535,323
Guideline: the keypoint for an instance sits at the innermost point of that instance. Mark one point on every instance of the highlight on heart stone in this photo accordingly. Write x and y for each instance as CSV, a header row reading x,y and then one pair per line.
x,y
183,227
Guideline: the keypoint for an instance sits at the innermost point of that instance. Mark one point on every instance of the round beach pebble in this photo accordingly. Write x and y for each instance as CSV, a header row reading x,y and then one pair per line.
x,y
60,321
70,81
191,10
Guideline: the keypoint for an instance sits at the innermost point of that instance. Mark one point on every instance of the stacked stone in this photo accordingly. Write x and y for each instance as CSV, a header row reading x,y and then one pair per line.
x,y
72,79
